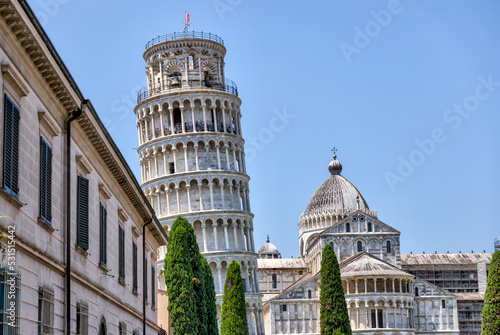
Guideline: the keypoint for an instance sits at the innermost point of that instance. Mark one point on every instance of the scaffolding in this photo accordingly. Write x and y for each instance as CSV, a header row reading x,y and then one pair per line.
x,y
459,279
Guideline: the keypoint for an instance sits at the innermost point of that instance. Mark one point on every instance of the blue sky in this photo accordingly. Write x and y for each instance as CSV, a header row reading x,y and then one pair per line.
x,y
408,91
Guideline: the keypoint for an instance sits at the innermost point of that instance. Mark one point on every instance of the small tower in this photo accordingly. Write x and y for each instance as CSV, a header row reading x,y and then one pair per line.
x,y
192,156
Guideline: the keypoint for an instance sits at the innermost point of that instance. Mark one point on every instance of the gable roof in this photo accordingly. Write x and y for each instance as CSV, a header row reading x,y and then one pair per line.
x,y
365,264
308,277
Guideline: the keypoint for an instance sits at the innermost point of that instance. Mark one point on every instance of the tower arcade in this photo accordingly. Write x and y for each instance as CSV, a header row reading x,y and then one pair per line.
x,y
192,155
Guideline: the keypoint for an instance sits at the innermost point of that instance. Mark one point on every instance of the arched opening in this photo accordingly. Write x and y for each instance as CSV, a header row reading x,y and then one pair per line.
x,y
369,226
177,120
275,280
191,62
309,294
102,327
347,227
389,249
174,74
360,246
416,291
207,77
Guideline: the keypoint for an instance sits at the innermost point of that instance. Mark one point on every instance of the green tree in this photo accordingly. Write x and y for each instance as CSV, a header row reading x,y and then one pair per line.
x,y
179,280
212,328
491,308
334,319
234,312
199,278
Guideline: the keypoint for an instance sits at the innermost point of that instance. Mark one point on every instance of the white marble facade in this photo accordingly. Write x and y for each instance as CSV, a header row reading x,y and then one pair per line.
x,y
192,158
382,297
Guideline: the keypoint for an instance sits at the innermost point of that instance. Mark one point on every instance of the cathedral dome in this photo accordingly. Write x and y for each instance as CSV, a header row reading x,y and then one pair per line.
x,y
336,194
269,250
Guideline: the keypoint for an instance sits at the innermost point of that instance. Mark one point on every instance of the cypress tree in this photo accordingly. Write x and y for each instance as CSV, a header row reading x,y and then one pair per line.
x,y
198,279
234,312
334,319
179,281
491,309
212,327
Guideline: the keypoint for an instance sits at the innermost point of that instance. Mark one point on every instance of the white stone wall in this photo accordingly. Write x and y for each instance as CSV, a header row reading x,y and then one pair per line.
x,y
193,162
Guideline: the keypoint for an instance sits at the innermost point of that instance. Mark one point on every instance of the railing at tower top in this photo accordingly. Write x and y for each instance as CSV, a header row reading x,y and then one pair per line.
x,y
145,93
185,34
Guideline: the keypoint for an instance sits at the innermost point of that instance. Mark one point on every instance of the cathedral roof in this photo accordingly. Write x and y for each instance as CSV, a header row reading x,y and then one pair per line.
x,y
469,296
438,259
336,194
281,263
268,248
365,264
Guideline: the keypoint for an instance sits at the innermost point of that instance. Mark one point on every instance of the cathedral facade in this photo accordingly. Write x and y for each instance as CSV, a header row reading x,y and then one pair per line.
x,y
386,292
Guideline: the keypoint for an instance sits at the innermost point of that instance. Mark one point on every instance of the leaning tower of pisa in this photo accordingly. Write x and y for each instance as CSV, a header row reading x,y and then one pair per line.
x,y
192,155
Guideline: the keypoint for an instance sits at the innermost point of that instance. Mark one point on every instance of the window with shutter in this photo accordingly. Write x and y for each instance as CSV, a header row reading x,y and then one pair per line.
x,y
153,285
146,279
121,254
102,237
82,213
45,181
122,327
45,311
11,148
134,265
9,302
82,318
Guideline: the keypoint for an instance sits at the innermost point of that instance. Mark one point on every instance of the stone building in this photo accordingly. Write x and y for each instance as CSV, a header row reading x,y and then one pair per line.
x,y
386,292
464,275
192,157
74,219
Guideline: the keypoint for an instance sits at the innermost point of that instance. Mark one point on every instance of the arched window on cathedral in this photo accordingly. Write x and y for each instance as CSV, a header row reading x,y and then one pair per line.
x,y
331,244
389,250
360,246
309,294
347,227
275,281
370,226
416,291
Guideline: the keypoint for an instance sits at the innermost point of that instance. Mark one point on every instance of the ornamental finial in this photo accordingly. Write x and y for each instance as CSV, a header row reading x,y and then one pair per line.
x,y
334,150
267,238
335,167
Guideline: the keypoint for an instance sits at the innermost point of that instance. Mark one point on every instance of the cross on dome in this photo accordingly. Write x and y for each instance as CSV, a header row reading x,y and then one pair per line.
x,y
334,150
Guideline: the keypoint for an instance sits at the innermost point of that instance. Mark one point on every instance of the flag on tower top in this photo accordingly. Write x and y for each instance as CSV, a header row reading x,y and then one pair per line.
x,y
187,18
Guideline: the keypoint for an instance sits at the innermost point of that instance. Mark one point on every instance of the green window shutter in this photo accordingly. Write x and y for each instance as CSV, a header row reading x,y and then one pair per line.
x,y
146,280
11,147
121,253
134,264
82,213
102,239
45,181
153,284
